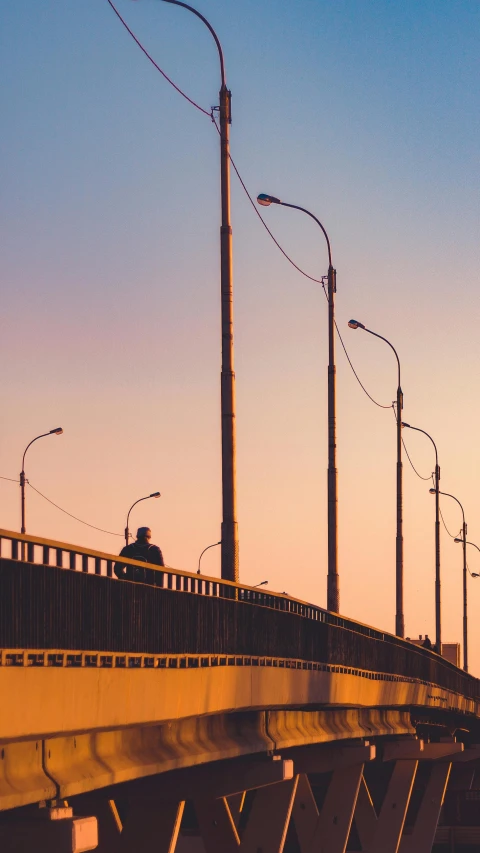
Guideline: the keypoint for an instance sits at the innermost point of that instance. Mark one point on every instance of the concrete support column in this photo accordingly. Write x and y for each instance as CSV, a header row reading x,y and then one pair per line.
x,y
217,826
327,831
422,837
269,817
151,826
383,834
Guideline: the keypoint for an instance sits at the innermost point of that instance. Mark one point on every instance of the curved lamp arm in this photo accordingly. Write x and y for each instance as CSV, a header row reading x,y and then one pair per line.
x,y
447,495
206,549
417,429
209,26
56,431
153,495
355,324
265,200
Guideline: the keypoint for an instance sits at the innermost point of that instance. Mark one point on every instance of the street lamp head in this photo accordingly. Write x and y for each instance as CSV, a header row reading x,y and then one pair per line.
x,y
56,431
266,200
432,491
405,425
355,324
457,539
155,495
475,575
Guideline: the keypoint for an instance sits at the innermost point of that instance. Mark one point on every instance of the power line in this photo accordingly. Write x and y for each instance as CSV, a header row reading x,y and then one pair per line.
x,y
167,78
452,535
284,253
9,479
413,466
70,514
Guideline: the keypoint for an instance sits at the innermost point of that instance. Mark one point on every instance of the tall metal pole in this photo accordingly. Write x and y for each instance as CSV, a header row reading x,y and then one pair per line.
x,y
333,587
438,591
436,490
22,489
465,613
56,431
399,617
229,538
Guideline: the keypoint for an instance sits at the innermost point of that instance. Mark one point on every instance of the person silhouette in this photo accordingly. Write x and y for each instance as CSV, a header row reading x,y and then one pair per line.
x,y
141,550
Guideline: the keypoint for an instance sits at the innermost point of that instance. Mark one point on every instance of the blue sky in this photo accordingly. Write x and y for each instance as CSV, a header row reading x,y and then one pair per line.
x,y
367,113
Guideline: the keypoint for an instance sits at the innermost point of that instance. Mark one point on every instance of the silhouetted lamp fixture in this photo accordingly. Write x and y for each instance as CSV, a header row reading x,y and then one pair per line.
x,y
458,539
56,431
146,498
206,549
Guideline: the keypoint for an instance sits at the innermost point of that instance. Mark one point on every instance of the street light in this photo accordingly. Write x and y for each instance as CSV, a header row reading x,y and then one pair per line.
x,y
146,498
229,538
399,617
206,549
333,586
262,583
56,431
438,610
464,541
473,574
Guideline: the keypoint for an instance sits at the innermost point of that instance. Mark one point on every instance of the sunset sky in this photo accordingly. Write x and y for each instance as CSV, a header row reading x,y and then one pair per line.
x,y
366,113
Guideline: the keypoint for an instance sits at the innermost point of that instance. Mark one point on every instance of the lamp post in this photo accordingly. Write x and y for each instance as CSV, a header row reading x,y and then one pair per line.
x,y
399,616
146,498
333,586
206,549
229,538
56,431
438,610
465,615
457,539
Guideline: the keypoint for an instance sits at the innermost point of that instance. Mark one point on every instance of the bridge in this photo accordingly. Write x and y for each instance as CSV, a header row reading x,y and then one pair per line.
x,y
199,715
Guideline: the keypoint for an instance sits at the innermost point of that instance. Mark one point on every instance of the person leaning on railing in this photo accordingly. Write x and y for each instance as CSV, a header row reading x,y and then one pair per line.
x,y
141,550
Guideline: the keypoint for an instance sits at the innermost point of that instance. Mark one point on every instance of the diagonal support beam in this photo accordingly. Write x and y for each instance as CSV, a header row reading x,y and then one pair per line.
x,y
236,803
423,835
305,813
391,820
365,816
151,826
217,826
267,825
328,831
335,820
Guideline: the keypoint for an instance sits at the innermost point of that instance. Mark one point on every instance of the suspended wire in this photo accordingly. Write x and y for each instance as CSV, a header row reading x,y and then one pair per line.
x,y
9,479
252,202
413,466
70,514
452,535
167,78
362,386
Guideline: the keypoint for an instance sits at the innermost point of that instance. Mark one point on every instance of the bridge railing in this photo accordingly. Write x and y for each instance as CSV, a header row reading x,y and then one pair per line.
x,y
63,555
209,618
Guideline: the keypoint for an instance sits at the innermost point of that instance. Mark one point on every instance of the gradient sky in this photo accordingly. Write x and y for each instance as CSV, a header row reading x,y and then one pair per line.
x,y
368,114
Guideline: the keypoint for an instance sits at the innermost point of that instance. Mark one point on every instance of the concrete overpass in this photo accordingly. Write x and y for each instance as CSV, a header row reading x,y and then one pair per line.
x,y
275,721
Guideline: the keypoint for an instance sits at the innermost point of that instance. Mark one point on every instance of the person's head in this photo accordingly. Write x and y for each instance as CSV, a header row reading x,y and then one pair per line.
x,y
144,534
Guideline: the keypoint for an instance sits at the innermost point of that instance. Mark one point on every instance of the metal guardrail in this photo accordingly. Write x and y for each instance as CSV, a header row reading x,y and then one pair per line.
x,y
49,552
83,607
